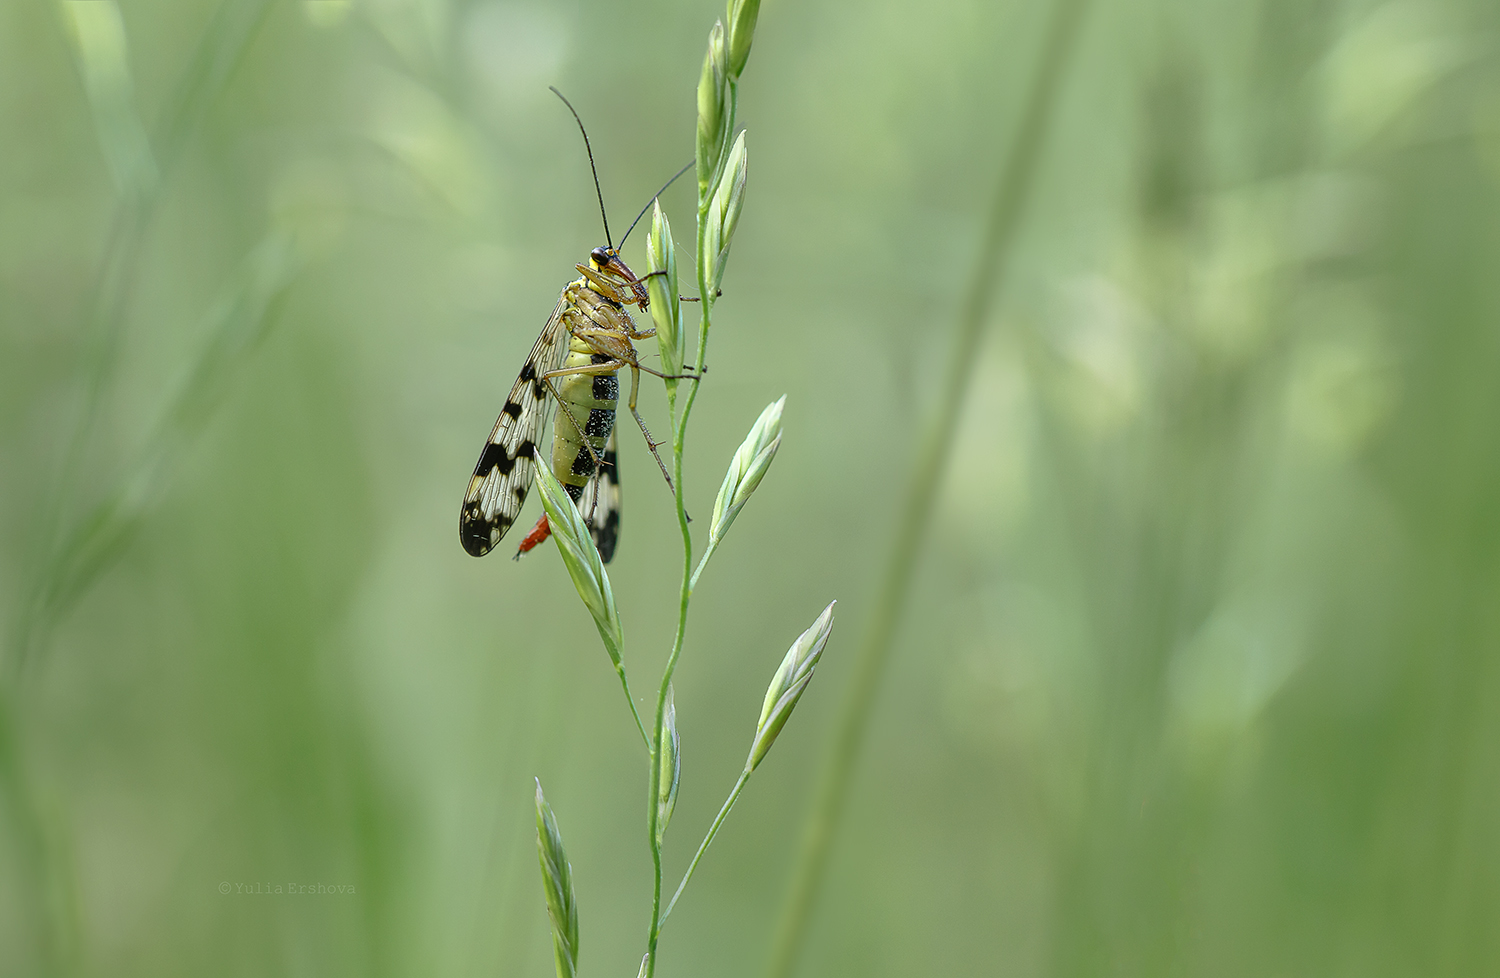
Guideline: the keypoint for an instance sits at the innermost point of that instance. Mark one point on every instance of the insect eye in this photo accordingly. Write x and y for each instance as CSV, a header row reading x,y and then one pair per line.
x,y
601,256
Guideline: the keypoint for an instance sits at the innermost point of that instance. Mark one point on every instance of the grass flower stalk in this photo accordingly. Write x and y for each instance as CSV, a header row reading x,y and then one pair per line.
x,y
719,204
722,164
786,688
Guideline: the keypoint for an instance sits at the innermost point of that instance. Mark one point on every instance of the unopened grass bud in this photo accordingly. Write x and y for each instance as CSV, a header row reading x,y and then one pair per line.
x,y
581,557
724,210
670,772
557,885
666,311
712,108
746,469
788,684
742,16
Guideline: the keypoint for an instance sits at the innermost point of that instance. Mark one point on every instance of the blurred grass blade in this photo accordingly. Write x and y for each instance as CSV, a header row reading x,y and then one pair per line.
x,y
1014,187
222,45
557,886
235,326
103,313
1390,58
218,54
100,45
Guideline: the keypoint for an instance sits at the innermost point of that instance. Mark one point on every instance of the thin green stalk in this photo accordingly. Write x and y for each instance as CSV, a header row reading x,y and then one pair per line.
x,y
685,595
833,783
630,700
708,839
697,571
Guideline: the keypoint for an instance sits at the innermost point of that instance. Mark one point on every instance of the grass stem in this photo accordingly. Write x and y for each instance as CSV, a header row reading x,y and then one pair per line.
x,y
685,594
630,700
708,839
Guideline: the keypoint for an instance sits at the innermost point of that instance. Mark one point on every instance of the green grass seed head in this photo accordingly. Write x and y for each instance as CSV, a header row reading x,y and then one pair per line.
x,y
788,684
712,114
742,17
724,209
749,465
670,759
666,311
557,886
581,557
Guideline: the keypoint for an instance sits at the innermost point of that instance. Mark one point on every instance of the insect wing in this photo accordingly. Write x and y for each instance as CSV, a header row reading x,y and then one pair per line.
x,y
502,476
600,502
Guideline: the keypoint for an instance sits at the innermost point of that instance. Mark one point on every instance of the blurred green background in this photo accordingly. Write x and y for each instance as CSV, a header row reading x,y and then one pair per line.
x,y
1199,674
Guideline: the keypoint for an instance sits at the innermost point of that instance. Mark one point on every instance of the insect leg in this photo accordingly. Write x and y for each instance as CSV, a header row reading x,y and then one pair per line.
x,y
651,443
599,339
657,373
610,290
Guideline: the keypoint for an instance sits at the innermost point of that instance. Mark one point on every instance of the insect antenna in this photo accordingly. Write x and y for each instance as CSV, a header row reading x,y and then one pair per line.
x,y
590,150
653,197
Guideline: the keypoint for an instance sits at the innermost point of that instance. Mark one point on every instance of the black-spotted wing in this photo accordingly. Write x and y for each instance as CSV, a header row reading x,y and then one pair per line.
x,y
600,502
502,476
